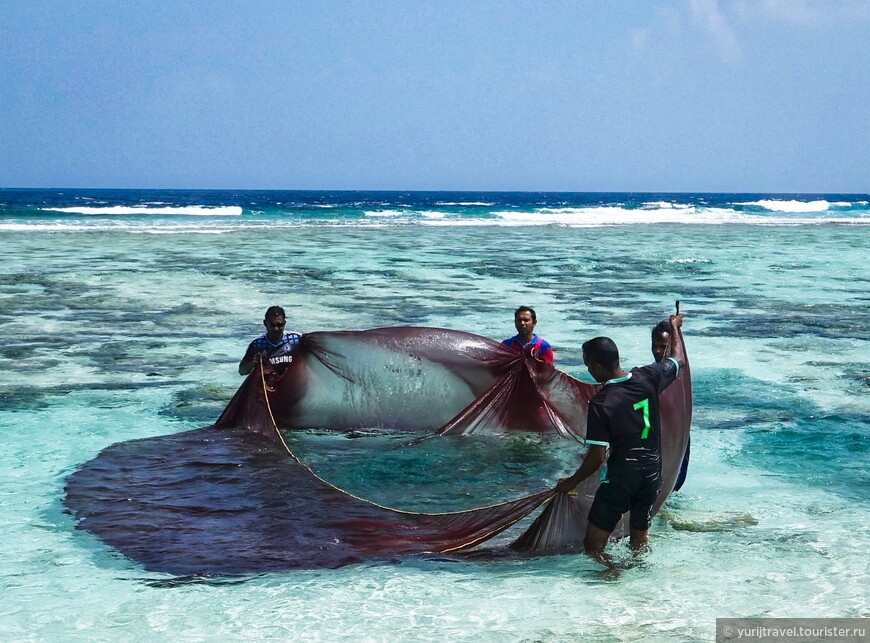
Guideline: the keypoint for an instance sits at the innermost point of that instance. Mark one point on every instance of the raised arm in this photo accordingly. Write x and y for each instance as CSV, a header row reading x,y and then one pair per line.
x,y
678,350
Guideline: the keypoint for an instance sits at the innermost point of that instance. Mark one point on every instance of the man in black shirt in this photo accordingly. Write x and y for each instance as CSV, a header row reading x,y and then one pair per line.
x,y
624,418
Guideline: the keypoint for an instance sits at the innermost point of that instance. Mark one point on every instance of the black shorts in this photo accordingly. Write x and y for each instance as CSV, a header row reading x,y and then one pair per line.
x,y
626,487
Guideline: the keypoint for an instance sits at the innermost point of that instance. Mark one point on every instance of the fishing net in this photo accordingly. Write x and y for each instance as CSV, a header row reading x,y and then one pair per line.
x,y
452,383
233,498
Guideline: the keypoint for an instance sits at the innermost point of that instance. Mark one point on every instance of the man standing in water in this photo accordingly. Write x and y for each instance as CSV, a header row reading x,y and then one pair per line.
x,y
525,321
661,339
624,417
277,344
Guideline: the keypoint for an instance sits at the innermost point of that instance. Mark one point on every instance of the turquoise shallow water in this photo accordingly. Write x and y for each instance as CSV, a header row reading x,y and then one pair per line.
x,y
126,327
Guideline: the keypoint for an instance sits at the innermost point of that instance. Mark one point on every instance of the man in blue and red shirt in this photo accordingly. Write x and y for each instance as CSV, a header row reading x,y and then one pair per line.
x,y
624,418
525,321
276,344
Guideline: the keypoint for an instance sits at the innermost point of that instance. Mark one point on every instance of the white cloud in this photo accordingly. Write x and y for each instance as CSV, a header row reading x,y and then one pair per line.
x,y
720,20
698,26
707,15
808,13
719,26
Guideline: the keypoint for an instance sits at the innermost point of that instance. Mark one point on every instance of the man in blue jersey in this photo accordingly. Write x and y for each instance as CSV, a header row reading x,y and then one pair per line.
x,y
525,321
276,345
624,418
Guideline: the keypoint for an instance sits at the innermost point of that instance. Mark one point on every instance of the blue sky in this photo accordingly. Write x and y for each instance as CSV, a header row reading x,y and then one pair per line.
x,y
671,95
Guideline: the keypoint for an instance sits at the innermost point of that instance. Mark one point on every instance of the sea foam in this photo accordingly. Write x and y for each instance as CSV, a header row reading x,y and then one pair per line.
x,y
790,206
189,210
604,216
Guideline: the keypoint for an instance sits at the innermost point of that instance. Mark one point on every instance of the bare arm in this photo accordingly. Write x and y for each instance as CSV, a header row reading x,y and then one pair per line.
x,y
251,359
593,460
678,350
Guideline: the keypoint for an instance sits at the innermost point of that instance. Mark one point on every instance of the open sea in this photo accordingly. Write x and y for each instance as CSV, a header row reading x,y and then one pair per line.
x,y
124,313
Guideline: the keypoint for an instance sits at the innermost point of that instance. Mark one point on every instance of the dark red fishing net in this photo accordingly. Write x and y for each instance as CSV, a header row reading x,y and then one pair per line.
x,y
402,378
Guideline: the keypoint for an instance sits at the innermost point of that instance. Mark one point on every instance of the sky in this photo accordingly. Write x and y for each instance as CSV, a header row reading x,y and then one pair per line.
x,y
632,95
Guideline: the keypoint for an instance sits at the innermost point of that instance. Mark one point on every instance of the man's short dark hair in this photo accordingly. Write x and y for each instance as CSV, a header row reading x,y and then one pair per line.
x,y
274,311
601,350
662,328
526,309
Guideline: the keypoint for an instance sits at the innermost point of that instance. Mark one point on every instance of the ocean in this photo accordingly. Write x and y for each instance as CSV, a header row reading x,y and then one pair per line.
x,y
124,314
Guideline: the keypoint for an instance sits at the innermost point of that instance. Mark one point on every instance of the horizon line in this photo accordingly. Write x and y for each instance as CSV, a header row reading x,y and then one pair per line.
x,y
434,191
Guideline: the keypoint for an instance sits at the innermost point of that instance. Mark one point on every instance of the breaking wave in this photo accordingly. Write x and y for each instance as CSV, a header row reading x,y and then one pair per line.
x,y
188,210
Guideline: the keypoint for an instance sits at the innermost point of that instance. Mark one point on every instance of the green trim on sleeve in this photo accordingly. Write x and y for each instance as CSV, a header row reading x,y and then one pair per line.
x,y
676,363
598,444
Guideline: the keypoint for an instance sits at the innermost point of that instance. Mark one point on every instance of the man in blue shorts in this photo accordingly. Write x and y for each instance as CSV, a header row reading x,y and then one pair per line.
x,y
525,321
276,344
624,418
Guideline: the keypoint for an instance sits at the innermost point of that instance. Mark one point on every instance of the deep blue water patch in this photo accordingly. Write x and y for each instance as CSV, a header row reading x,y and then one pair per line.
x,y
785,433
826,451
